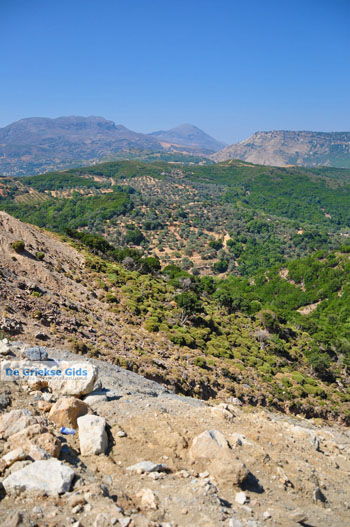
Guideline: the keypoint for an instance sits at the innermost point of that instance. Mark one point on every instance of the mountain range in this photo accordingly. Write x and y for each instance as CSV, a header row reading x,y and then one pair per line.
x,y
285,148
39,144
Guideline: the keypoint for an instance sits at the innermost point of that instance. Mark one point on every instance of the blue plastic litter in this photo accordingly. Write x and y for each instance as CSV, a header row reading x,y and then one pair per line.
x,y
67,431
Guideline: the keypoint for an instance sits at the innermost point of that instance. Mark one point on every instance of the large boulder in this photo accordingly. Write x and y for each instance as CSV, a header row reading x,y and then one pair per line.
x,y
92,435
15,421
208,444
212,450
66,411
79,384
48,477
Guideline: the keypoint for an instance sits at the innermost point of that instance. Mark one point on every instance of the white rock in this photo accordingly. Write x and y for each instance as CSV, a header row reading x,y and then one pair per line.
x,y
234,522
15,421
95,399
77,385
48,477
17,454
46,396
147,466
207,444
5,347
124,522
148,499
92,435
241,498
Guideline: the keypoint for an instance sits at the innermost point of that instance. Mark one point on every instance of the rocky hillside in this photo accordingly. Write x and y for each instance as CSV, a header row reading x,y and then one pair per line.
x,y
140,456
284,148
199,337
190,137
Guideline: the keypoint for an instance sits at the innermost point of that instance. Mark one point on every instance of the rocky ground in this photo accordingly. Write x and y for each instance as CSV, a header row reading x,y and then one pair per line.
x,y
143,456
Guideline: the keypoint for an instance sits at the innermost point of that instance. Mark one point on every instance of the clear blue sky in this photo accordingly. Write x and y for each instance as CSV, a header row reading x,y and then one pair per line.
x,y
229,66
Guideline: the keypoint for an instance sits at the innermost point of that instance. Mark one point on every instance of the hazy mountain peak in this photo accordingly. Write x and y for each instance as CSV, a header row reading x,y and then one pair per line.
x,y
189,136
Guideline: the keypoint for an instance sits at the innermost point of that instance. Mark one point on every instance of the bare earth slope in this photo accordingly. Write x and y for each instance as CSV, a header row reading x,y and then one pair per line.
x,y
283,148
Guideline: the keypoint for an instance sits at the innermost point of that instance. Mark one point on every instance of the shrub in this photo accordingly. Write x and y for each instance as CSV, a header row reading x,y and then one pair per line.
x,y
39,255
201,362
111,299
18,246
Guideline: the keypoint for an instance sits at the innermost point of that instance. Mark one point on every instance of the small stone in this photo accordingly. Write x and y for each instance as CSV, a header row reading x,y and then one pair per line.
x,y
5,401
36,353
124,522
76,499
49,397
298,516
121,433
14,455
44,406
147,466
92,435
241,498
95,398
102,520
204,474
234,522
66,411
5,347
267,515
148,499
37,510
156,475
235,401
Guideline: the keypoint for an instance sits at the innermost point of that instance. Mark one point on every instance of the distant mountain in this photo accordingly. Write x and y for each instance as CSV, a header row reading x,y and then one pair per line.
x,y
38,144
283,148
190,137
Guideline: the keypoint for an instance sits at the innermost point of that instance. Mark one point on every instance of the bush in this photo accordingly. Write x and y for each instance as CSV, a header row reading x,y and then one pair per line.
x,y
39,255
18,246
201,362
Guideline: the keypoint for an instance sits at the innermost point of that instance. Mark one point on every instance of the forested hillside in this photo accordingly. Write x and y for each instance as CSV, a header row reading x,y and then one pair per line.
x,y
243,269
233,218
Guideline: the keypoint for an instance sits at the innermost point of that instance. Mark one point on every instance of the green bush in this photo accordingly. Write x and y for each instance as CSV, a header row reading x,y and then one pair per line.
x,y
18,246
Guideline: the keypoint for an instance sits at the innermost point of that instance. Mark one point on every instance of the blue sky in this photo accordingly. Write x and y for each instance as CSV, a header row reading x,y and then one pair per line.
x,y
229,66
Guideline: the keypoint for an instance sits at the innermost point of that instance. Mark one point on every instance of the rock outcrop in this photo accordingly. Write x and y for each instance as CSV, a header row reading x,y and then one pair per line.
x,y
284,148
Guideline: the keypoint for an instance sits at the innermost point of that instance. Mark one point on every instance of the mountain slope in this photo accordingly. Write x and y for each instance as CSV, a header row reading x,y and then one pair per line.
x,y
283,148
39,144
199,336
189,136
